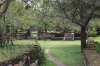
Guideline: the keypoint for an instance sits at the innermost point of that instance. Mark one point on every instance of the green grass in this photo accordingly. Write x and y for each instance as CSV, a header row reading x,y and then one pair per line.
x,y
48,63
42,43
67,52
24,42
97,38
12,51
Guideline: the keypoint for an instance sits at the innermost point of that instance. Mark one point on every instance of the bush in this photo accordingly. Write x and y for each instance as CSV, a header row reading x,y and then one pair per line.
x,y
97,47
41,54
41,57
92,32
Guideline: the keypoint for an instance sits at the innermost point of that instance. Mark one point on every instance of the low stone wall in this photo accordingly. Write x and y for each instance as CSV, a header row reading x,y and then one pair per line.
x,y
29,58
43,35
21,36
91,57
57,36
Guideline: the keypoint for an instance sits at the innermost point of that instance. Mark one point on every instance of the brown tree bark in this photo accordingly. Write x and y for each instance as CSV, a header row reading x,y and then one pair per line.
x,y
83,37
38,34
5,4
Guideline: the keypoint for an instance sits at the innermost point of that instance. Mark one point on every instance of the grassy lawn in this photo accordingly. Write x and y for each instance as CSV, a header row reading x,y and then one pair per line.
x,y
10,51
67,52
48,63
97,38
25,42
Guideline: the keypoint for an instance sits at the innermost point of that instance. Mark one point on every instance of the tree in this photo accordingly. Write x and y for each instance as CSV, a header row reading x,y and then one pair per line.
x,y
79,12
15,17
42,21
15,20
5,5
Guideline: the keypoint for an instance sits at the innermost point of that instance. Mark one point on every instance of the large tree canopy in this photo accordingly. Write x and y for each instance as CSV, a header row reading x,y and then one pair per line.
x,y
79,12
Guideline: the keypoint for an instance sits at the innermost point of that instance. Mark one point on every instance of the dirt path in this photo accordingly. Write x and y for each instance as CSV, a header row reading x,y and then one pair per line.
x,y
50,57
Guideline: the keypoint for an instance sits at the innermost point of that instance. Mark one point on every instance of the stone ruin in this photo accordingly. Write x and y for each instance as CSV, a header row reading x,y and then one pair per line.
x,y
29,58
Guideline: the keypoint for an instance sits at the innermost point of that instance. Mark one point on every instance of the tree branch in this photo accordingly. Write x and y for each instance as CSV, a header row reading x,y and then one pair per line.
x,y
89,16
62,9
77,23
73,19
74,15
92,3
75,3
96,16
5,7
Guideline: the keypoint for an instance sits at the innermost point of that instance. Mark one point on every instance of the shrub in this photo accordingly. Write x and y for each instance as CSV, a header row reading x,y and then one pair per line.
x,y
97,47
92,32
41,57
41,54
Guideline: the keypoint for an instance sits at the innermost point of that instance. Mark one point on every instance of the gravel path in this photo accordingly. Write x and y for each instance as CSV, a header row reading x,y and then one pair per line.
x,y
50,57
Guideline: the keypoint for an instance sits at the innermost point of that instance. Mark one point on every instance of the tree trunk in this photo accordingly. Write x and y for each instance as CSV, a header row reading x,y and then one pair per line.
x,y
1,38
29,33
45,32
38,34
83,38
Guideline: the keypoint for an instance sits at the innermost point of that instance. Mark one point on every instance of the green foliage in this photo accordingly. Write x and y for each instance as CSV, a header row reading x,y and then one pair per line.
x,y
97,43
18,16
2,43
92,32
94,26
97,47
41,54
45,23
41,57
10,51
48,63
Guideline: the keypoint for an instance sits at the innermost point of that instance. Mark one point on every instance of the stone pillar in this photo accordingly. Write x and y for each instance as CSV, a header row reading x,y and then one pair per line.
x,y
20,63
26,61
